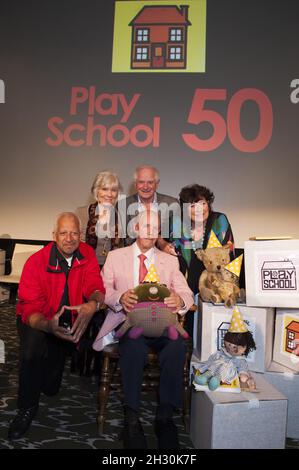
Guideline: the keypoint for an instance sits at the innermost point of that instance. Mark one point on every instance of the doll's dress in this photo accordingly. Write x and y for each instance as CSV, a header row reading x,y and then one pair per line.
x,y
224,366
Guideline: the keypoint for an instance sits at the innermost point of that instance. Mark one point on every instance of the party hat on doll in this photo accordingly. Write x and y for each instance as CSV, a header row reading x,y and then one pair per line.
x,y
213,241
235,266
152,275
237,324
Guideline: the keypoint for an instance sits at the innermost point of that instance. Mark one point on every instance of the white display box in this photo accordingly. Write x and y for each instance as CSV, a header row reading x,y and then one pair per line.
x,y
272,273
286,338
239,421
287,382
193,362
212,321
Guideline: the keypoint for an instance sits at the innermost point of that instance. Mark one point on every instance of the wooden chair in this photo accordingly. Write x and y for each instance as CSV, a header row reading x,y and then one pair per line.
x,y
110,378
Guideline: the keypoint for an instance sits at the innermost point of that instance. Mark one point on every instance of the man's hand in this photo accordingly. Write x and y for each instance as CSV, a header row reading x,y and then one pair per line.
x,y
59,331
175,302
128,300
85,314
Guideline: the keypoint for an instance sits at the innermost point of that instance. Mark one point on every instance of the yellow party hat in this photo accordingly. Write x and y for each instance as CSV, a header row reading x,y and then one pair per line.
x,y
235,266
152,275
237,324
213,241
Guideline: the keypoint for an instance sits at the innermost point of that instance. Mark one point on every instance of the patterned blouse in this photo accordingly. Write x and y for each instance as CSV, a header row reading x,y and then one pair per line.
x,y
185,247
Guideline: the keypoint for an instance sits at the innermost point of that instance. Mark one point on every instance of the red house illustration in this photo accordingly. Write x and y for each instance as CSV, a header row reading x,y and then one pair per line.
x,y
292,334
159,37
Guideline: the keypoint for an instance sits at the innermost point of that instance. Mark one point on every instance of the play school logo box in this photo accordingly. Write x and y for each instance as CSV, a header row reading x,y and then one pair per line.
x,y
159,36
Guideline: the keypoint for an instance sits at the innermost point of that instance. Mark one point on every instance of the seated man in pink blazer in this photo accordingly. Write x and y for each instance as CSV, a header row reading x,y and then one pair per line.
x,y
124,270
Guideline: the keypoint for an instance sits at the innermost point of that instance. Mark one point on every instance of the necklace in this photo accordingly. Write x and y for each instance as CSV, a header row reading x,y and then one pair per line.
x,y
198,244
104,250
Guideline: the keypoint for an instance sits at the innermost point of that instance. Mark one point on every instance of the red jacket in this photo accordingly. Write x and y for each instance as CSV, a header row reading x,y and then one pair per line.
x,y
42,281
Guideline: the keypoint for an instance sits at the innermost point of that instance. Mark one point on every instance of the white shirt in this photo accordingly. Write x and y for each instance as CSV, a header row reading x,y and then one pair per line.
x,y
154,204
69,261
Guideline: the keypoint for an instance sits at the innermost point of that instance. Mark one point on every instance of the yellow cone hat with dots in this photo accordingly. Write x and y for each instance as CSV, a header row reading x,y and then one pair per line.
x,y
235,266
213,241
237,324
152,275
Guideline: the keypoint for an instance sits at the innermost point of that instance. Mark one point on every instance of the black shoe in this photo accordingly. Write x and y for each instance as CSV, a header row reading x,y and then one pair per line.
x,y
167,434
21,422
133,435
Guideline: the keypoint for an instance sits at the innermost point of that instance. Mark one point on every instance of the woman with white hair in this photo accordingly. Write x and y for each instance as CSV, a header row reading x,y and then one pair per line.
x,y
102,232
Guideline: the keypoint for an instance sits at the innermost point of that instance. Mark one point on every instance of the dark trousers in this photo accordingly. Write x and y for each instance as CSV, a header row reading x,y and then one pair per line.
x,y
42,358
133,358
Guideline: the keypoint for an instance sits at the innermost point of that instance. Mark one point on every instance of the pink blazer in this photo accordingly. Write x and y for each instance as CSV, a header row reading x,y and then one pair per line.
x,y
118,276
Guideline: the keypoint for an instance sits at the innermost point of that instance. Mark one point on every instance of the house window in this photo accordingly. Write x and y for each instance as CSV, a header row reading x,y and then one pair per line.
x,y
291,335
221,334
142,35
176,53
291,345
141,53
176,35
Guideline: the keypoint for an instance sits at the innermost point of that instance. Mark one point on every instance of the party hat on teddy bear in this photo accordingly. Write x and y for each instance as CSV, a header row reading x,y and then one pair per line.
x,y
235,266
237,324
213,241
152,275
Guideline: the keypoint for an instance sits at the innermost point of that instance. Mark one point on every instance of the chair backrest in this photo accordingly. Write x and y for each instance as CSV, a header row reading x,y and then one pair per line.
x,y
20,255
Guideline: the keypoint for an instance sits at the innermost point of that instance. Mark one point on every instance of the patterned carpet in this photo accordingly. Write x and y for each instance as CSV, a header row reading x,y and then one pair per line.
x,y
68,420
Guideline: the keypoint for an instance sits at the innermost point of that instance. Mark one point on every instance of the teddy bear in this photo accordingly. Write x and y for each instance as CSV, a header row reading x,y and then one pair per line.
x,y
213,259
227,287
150,316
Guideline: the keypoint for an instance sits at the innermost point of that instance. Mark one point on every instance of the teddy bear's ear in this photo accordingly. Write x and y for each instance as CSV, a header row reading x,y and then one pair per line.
x,y
199,254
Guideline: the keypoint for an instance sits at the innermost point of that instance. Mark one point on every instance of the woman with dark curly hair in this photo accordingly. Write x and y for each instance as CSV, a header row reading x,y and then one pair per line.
x,y
195,199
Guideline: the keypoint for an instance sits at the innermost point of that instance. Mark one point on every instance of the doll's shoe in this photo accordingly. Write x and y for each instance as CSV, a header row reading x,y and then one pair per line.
x,y
201,379
213,383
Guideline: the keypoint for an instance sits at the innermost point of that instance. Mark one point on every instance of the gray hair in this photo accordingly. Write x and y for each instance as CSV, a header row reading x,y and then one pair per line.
x,y
102,179
147,167
70,215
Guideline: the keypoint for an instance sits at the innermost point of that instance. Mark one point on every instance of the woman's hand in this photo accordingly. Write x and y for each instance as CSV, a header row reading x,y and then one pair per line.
x,y
170,249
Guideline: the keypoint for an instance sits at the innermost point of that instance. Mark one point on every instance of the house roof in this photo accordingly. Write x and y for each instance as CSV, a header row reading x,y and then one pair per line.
x,y
287,264
152,14
294,326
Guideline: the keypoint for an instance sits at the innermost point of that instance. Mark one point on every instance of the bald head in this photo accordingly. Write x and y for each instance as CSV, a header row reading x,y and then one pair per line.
x,y
66,233
147,229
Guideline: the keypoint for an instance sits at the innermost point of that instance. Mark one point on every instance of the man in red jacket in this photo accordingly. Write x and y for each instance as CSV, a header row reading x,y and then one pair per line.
x,y
60,290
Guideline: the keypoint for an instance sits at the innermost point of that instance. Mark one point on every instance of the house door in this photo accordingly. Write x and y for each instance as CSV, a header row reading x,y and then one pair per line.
x,y
158,56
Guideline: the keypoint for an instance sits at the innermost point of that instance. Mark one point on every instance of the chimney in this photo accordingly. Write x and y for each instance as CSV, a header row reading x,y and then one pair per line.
x,y
184,11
